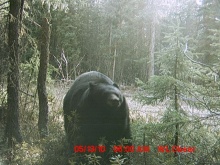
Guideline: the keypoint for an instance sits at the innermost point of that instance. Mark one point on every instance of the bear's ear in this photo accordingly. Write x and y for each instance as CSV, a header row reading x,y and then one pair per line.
x,y
115,85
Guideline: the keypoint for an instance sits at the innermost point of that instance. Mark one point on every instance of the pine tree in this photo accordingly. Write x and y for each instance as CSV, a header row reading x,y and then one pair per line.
x,y
183,81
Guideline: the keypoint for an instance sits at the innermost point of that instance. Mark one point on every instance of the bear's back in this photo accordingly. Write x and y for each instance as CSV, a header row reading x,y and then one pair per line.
x,y
91,77
81,84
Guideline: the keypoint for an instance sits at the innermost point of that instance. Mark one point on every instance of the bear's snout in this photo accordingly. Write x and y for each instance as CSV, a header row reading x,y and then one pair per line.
x,y
113,101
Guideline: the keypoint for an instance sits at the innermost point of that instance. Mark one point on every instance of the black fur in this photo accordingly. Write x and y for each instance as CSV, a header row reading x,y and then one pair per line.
x,y
94,107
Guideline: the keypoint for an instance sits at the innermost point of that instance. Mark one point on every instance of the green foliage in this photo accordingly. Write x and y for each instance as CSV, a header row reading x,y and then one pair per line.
x,y
26,154
51,150
29,70
87,33
154,134
117,160
174,86
158,88
93,159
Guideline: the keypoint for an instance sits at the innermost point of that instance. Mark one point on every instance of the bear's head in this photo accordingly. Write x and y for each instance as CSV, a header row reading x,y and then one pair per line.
x,y
106,95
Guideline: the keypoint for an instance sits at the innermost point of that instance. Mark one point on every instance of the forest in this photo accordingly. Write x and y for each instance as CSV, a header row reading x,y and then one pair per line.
x,y
164,54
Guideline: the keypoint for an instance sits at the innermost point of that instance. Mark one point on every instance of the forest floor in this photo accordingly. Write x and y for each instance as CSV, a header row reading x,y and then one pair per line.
x,y
150,113
153,113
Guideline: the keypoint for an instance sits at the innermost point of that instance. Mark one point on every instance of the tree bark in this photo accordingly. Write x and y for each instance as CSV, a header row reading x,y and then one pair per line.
x,y
42,75
150,64
110,50
176,104
12,126
114,62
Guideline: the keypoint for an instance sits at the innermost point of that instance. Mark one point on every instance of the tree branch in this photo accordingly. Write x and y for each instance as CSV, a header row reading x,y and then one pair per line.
x,y
197,62
4,8
4,3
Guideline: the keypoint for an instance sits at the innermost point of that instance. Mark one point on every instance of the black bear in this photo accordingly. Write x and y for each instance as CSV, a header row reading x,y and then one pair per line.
x,y
94,109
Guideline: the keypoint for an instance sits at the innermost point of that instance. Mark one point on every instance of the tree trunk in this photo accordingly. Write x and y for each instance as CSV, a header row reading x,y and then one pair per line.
x,y
42,75
12,126
176,135
150,64
114,61
110,50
